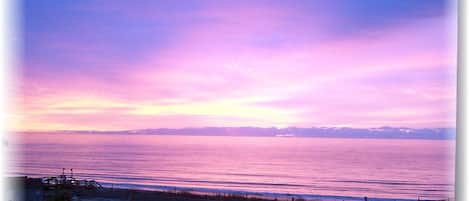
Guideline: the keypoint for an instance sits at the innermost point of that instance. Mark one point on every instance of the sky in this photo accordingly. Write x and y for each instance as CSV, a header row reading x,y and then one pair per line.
x,y
114,65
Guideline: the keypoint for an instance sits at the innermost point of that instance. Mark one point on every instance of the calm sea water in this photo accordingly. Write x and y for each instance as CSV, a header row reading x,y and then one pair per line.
x,y
381,168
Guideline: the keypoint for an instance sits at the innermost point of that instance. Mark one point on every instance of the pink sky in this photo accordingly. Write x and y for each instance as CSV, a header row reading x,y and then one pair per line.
x,y
129,66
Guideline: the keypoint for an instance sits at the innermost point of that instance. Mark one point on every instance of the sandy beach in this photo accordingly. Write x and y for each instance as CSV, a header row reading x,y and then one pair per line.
x,y
32,189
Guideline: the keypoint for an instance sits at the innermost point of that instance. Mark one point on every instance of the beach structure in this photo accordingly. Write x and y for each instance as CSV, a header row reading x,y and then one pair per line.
x,y
68,182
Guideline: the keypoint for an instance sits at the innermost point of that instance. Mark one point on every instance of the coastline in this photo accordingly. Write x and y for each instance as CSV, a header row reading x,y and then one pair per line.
x,y
31,189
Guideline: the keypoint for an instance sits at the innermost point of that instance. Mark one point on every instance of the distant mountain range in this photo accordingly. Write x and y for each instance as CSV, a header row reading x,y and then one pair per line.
x,y
337,132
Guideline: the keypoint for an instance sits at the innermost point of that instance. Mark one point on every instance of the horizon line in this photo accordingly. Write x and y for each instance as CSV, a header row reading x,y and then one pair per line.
x,y
206,127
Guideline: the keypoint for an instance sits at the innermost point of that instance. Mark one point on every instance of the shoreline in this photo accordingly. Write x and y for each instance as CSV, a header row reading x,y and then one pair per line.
x,y
31,188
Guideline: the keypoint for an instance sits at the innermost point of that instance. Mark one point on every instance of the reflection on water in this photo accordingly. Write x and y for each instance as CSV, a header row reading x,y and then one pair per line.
x,y
320,166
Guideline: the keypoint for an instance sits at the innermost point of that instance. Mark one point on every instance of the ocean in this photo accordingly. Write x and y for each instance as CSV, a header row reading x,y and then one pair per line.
x,y
331,168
